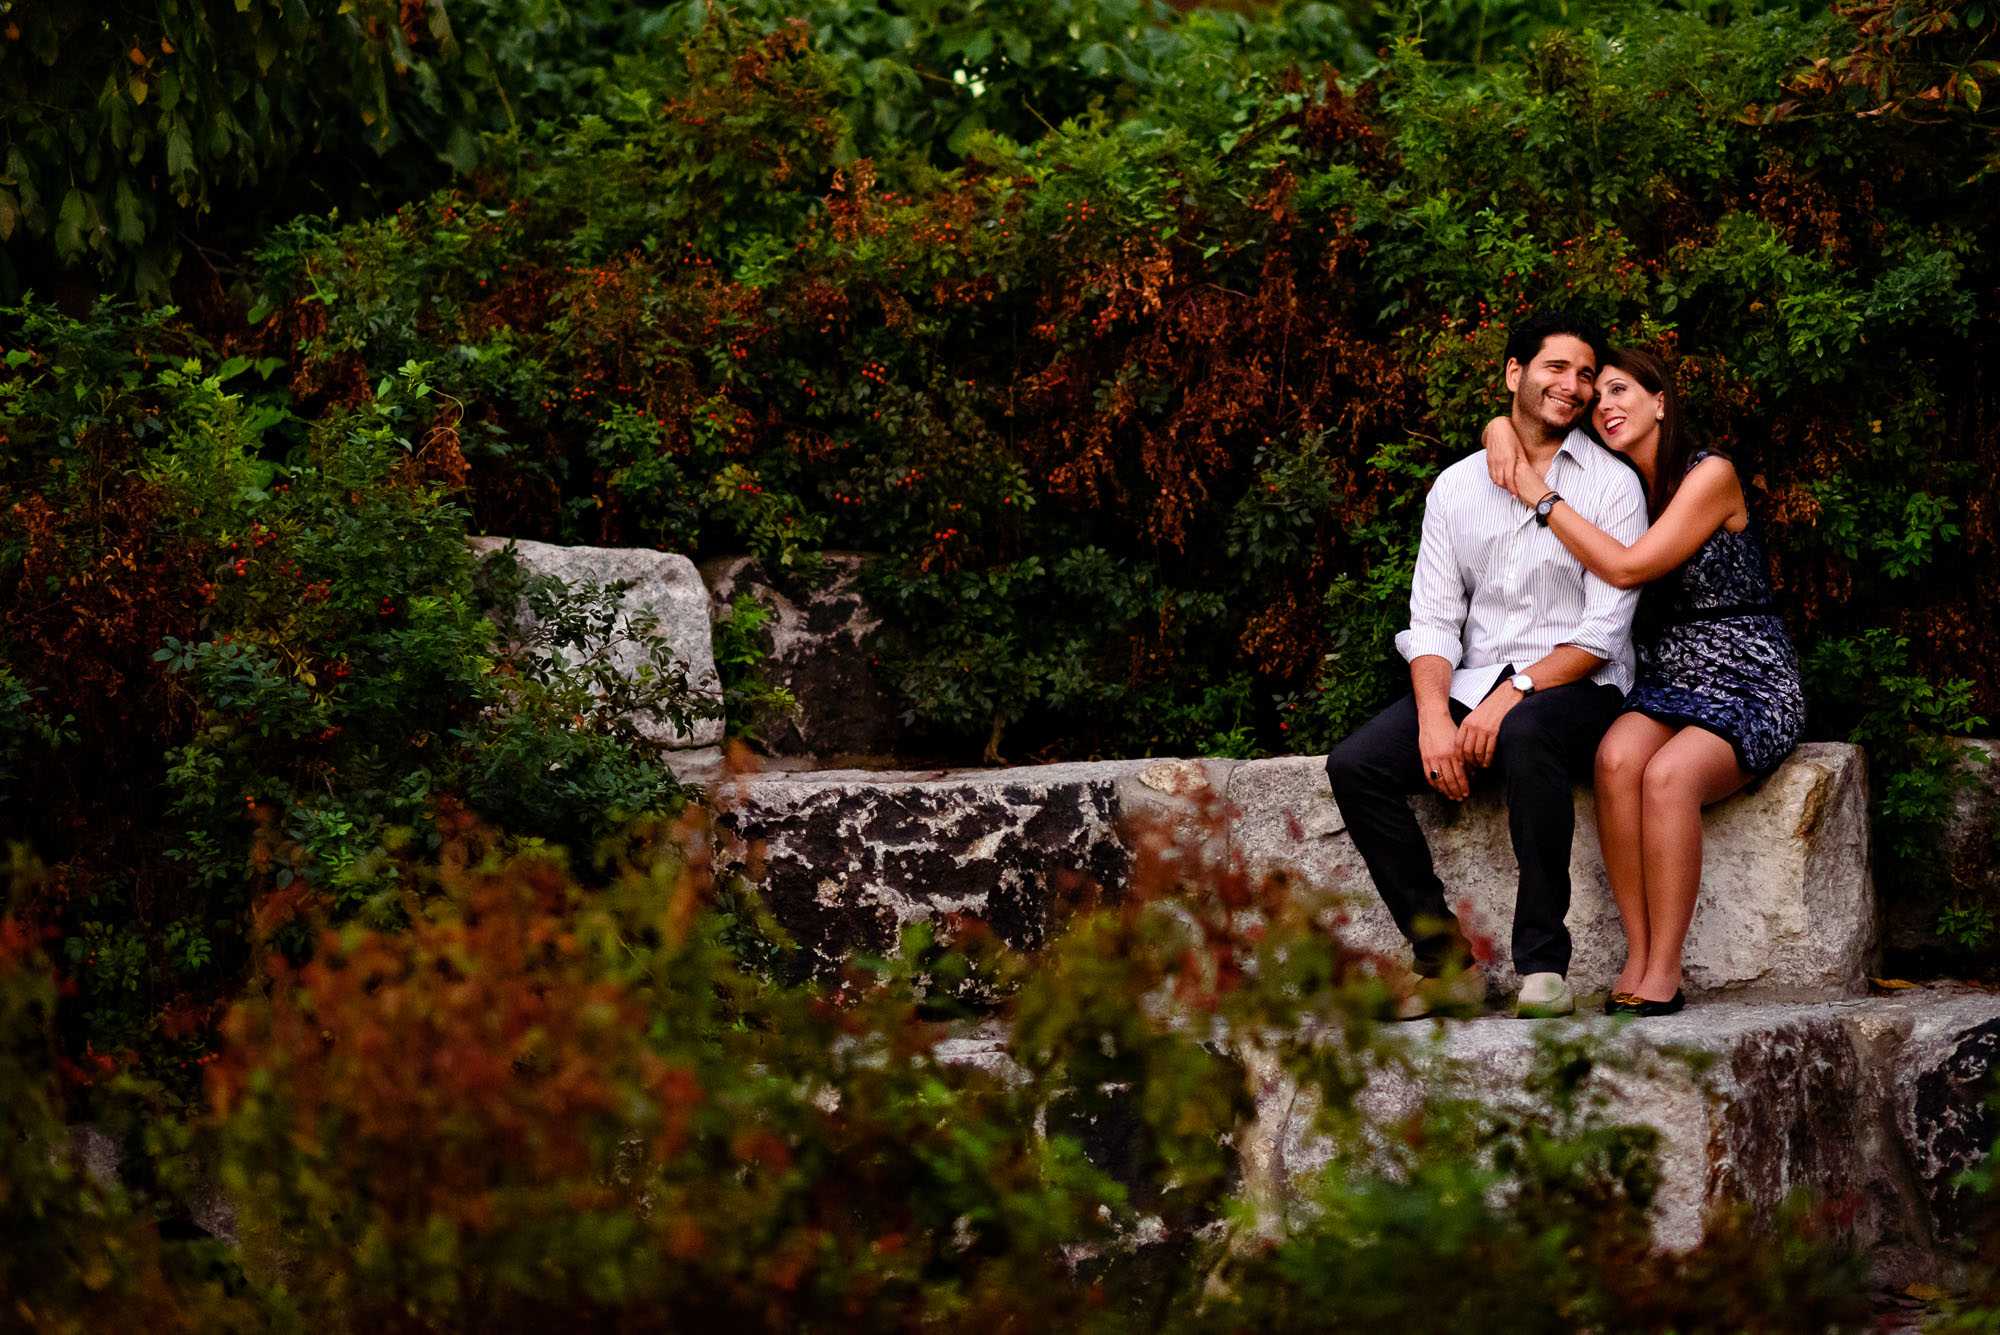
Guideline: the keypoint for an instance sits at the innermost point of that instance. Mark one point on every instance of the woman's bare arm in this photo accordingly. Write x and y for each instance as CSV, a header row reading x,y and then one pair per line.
x,y
1503,447
1708,499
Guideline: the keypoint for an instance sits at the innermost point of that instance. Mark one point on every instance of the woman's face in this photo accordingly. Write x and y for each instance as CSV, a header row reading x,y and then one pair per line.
x,y
1627,415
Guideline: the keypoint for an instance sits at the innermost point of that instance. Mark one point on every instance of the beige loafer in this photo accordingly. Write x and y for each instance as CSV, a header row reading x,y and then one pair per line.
x,y
1544,996
1463,993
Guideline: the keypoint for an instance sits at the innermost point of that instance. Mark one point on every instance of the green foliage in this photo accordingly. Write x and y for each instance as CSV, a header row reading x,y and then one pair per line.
x,y
1872,697
132,133
741,661
85,1254
327,681
538,1100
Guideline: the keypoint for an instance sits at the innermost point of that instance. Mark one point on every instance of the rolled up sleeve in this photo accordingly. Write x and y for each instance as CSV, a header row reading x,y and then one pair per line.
x,y
1606,626
1437,592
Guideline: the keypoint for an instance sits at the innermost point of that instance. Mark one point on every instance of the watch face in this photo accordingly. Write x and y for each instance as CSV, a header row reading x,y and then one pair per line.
x,y
1522,682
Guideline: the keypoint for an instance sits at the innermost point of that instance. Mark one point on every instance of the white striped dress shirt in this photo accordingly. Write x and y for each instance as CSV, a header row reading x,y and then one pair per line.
x,y
1493,588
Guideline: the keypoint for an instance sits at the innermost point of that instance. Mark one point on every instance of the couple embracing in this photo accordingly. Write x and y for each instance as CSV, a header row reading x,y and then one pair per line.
x,y
1522,663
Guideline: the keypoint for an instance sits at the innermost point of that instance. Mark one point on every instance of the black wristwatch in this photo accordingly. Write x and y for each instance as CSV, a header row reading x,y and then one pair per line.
x,y
1545,507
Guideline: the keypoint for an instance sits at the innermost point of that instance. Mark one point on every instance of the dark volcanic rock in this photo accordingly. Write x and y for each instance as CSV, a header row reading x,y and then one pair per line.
x,y
1944,1073
846,859
819,642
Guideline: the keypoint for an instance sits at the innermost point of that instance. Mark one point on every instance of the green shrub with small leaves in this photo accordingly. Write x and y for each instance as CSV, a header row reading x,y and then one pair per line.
x,y
541,1100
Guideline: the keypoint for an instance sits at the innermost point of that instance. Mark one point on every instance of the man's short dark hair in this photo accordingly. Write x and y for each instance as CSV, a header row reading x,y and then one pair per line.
x,y
1525,339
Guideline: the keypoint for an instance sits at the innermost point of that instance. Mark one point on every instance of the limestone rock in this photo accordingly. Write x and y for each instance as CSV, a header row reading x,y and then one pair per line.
x,y
1181,805
1752,1101
664,584
846,858
1787,902
819,643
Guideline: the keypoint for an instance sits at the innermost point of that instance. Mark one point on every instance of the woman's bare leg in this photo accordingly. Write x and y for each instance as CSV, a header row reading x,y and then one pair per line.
x,y
1693,769
1621,766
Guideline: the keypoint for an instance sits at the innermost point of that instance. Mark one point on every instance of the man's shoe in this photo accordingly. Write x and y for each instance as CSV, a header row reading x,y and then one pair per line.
x,y
1463,993
1544,996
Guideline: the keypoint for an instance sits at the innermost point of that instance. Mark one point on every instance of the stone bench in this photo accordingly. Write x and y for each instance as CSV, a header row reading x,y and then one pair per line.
x,y
1787,904
846,858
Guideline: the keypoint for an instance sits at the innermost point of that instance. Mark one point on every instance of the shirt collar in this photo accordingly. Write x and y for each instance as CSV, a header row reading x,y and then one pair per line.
x,y
1574,448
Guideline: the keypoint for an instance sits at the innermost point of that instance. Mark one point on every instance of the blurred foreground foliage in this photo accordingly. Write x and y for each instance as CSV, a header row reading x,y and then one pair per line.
x,y
545,1101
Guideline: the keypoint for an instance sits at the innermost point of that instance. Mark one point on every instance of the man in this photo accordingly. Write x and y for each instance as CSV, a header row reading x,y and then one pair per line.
x,y
1519,660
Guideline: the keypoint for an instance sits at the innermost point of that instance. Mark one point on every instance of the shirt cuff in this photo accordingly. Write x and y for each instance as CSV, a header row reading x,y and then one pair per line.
x,y
1593,640
1416,642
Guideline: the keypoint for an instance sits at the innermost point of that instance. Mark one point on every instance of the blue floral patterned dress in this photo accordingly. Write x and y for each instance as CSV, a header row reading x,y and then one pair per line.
x,y
1713,652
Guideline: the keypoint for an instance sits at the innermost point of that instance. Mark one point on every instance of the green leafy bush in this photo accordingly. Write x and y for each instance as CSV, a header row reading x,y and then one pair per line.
x,y
1129,356
291,610
545,1101
176,118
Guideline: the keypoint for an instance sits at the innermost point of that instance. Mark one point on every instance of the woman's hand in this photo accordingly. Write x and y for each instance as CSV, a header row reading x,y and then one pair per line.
x,y
1526,481
1503,448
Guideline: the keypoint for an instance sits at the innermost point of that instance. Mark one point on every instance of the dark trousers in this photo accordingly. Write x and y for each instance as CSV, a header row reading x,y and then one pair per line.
x,y
1546,746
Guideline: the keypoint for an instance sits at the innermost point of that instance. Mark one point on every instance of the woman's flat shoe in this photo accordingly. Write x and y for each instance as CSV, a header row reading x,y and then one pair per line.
x,y
1672,1006
1623,1003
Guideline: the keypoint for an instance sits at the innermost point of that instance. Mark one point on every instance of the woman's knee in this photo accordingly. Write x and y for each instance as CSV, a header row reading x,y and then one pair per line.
x,y
1669,778
1621,763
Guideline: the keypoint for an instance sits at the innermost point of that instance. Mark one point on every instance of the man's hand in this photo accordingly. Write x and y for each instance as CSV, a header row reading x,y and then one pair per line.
x,y
1480,733
1444,767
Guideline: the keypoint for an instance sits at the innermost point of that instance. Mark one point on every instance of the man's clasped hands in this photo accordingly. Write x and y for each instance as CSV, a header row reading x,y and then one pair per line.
x,y
1453,752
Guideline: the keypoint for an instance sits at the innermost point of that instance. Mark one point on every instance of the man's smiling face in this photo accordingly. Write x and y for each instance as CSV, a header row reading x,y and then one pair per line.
x,y
1556,387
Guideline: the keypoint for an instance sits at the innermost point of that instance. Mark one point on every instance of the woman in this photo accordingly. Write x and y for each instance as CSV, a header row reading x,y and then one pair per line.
x,y
1718,699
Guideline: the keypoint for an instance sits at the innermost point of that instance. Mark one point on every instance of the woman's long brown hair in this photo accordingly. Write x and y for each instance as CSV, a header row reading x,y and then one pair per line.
x,y
1676,446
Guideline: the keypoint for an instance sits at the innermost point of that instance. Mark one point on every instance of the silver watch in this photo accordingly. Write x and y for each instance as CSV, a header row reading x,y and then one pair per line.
x,y
1522,682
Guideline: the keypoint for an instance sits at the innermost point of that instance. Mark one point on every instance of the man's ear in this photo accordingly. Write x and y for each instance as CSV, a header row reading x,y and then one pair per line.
x,y
1513,374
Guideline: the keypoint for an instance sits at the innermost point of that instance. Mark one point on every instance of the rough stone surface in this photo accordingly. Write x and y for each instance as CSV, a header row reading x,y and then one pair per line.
x,y
819,646
846,858
1874,1100
664,584
203,1204
1787,902
1942,1075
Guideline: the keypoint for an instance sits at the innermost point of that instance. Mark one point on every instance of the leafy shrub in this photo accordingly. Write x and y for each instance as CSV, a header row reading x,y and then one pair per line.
x,y
541,1101
82,1255
1129,355
741,662
147,128
273,666
1171,368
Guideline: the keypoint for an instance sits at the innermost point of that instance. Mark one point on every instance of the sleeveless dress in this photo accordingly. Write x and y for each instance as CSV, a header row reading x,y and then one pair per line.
x,y
1717,656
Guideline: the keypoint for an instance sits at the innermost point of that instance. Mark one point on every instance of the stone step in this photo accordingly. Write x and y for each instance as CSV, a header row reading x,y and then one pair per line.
x,y
1879,1102
847,857
1876,1103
